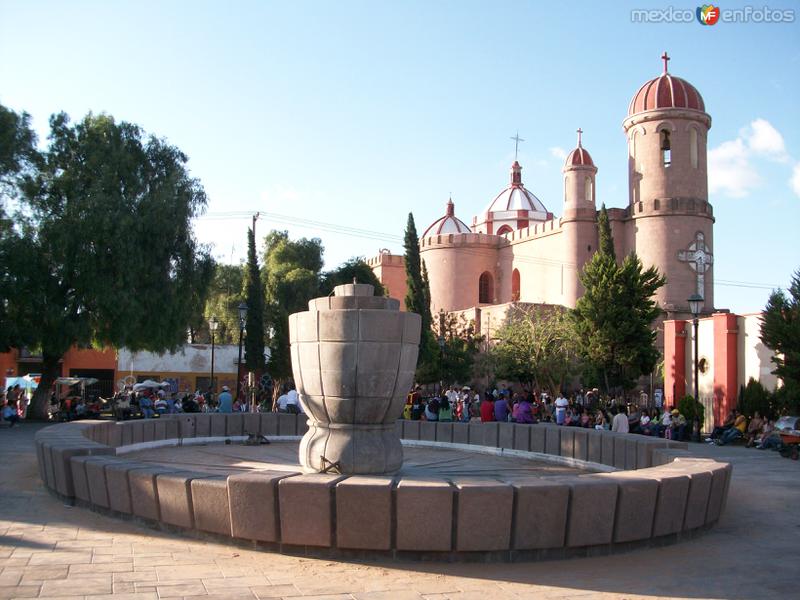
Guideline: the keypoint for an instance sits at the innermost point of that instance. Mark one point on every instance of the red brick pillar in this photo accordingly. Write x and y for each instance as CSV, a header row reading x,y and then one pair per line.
x,y
674,361
726,364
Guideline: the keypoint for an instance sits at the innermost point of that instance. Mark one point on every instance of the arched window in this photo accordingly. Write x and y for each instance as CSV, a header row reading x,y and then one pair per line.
x,y
515,285
666,149
504,230
565,188
636,164
587,189
485,288
693,146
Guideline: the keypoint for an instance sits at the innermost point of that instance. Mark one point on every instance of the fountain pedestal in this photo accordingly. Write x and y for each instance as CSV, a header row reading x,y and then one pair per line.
x,y
353,360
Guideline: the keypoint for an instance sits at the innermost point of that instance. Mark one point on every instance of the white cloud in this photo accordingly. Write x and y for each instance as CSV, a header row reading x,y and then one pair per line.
x,y
558,152
795,180
763,138
730,171
732,165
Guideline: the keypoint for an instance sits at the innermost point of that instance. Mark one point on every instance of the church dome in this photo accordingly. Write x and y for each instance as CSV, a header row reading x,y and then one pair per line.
x,y
449,223
580,156
516,197
666,91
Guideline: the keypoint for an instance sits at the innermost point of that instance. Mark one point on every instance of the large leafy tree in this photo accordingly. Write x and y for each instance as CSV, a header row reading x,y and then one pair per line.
x,y
780,332
18,160
106,240
254,294
225,294
614,318
291,277
459,347
355,268
537,347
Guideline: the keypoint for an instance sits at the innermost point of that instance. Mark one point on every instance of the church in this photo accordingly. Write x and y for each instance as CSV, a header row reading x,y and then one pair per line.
x,y
518,251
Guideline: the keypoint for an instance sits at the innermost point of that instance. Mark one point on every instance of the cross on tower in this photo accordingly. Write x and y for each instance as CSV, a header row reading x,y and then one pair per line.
x,y
666,59
517,140
699,258
580,131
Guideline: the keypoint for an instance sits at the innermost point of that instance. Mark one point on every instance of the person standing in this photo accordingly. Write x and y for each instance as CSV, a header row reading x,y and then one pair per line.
x,y
561,409
225,400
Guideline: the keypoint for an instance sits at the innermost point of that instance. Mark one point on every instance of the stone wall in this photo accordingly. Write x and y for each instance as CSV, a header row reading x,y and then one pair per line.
x,y
661,492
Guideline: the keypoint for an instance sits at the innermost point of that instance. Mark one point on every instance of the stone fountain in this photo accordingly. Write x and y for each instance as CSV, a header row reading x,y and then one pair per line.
x,y
353,359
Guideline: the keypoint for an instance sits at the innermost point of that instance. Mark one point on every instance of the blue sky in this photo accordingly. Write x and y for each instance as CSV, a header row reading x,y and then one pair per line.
x,y
351,114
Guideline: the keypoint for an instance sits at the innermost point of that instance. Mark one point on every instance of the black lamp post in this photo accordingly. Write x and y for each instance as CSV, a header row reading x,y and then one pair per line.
x,y
242,321
695,305
441,348
212,327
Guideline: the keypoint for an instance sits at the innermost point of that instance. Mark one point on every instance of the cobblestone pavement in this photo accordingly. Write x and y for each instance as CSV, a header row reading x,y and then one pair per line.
x,y
48,550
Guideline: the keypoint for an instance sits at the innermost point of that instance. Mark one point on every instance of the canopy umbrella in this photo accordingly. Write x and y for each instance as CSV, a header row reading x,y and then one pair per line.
x,y
148,384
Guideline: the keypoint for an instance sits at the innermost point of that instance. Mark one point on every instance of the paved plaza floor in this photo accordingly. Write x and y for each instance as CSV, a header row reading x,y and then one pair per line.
x,y
48,550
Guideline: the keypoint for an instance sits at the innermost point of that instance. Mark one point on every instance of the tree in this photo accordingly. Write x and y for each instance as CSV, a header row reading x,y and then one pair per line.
x,y
291,278
254,294
418,301
355,268
225,294
613,319
18,160
105,237
537,347
461,344
780,332
605,241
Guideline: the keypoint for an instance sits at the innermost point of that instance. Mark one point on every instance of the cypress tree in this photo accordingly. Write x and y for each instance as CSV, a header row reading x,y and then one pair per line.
x,y
254,298
606,241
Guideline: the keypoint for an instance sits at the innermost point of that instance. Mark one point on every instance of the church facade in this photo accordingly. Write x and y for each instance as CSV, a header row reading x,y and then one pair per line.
x,y
517,251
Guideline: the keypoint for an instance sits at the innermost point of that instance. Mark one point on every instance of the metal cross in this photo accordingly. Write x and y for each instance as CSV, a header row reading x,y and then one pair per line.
x,y
580,131
517,140
699,258
666,59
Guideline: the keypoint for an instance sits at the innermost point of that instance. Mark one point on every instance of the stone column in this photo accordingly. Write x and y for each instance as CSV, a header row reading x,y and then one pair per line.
x,y
353,359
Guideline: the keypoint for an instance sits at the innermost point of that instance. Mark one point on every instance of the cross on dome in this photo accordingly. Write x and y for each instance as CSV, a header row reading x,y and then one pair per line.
x,y
517,140
665,57
580,131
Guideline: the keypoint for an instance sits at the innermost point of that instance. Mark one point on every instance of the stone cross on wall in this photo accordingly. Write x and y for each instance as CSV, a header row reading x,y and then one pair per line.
x,y
700,259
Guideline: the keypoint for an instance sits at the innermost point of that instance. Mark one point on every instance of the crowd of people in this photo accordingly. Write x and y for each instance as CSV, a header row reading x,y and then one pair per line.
x,y
582,410
757,432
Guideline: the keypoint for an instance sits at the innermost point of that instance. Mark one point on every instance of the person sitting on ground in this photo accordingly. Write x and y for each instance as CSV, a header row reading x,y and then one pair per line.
x,y
600,422
225,400
524,410
754,429
735,432
9,413
487,408
635,420
432,409
726,425
502,407
619,423
678,426
445,410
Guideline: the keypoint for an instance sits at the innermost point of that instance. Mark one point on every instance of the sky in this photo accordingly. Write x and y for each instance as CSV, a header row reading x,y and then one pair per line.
x,y
337,119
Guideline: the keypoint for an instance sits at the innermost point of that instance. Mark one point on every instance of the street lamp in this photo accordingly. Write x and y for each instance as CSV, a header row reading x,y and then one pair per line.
x,y
242,321
695,305
212,327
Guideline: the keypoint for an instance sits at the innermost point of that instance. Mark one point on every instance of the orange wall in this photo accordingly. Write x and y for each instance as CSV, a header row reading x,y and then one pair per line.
x,y
89,358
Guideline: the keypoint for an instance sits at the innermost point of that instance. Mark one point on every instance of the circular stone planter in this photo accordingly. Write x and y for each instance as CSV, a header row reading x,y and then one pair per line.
x,y
652,492
353,360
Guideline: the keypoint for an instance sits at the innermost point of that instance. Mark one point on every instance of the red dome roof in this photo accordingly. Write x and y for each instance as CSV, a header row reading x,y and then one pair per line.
x,y
579,157
449,223
666,91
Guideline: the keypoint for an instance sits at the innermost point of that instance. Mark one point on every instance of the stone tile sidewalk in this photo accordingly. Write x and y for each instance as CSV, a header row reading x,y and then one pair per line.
x,y
48,550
